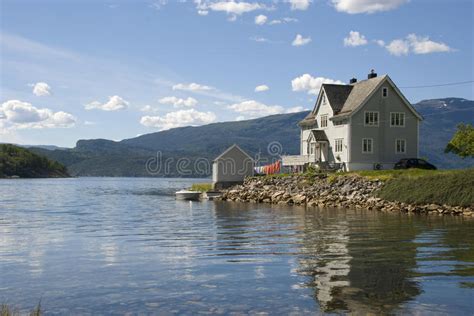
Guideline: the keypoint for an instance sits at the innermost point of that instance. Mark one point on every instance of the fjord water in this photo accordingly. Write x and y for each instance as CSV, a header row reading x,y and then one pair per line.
x,y
118,245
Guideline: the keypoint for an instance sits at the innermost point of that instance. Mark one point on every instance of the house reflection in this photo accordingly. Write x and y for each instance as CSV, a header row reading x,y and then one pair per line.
x,y
362,265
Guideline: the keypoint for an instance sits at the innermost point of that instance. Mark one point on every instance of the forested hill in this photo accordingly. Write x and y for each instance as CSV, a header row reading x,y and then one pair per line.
x,y
128,157
20,162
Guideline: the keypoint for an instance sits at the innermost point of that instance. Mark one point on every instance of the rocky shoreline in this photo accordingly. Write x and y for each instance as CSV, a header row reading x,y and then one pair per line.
x,y
319,191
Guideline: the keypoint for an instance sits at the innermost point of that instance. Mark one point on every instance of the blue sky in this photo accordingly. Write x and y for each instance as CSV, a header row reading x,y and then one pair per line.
x,y
115,69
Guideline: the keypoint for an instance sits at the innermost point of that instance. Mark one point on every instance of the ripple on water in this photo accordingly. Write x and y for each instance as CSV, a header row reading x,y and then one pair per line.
x,y
114,245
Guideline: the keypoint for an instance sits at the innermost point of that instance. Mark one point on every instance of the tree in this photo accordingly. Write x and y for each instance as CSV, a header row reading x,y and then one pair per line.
x,y
462,143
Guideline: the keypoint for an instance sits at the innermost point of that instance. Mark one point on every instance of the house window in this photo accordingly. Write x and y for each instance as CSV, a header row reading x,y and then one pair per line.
x,y
397,119
324,120
338,145
311,149
367,145
400,146
324,99
384,92
371,119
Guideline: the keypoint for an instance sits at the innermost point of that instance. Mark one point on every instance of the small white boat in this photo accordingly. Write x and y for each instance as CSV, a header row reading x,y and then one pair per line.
x,y
188,195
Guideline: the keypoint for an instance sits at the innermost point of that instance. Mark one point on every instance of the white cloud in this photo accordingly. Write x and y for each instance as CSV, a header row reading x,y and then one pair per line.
x,y
398,47
115,103
300,40
259,39
178,119
380,43
41,89
423,45
252,108
178,102
311,84
192,87
148,108
203,12
260,19
15,114
355,39
284,20
299,4
296,109
230,7
415,44
158,4
366,6
262,88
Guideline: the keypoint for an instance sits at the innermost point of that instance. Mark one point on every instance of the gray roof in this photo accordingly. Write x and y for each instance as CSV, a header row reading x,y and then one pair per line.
x,y
319,135
337,95
308,120
345,98
360,91
234,146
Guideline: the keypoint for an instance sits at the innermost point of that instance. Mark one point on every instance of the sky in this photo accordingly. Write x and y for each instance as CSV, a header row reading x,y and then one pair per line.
x,y
116,69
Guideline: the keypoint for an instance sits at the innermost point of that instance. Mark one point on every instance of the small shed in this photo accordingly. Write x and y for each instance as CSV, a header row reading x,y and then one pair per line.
x,y
231,167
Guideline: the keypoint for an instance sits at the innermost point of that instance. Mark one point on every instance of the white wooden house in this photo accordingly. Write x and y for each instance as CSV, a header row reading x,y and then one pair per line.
x,y
366,124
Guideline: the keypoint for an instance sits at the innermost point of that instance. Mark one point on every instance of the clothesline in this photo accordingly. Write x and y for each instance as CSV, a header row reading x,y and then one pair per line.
x,y
269,169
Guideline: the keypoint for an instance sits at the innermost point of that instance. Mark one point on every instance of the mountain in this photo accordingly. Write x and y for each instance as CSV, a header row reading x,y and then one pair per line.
x,y
181,150
441,116
20,162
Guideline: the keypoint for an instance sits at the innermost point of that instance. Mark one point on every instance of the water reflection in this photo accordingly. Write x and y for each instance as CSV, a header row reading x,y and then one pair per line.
x,y
114,246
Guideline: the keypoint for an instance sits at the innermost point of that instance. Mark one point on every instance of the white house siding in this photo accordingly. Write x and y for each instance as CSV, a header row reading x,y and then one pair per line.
x,y
383,136
332,133
304,145
232,167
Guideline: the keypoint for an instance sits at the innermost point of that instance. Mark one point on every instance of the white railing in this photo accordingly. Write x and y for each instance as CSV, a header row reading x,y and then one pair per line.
x,y
297,160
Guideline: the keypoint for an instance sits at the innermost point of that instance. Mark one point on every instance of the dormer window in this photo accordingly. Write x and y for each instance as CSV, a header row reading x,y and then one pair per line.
x,y
324,120
323,101
384,92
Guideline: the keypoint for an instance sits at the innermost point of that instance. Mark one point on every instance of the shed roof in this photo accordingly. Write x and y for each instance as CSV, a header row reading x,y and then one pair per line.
x,y
234,146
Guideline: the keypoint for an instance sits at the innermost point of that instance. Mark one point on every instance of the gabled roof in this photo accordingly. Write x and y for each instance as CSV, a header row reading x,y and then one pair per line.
x,y
318,135
337,95
360,92
347,99
231,148
309,120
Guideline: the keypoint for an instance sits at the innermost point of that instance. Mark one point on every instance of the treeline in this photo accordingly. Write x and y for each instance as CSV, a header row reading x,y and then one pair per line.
x,y
20,162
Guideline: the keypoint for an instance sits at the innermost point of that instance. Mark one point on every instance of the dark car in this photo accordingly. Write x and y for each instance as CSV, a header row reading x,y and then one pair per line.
x,y
414,163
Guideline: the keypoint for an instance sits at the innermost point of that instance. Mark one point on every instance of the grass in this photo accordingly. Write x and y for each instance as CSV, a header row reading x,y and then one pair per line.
x,y
451,187
201,187
7,310
385,175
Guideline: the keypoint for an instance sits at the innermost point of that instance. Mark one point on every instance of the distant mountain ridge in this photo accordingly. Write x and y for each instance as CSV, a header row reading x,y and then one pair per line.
x,y
101,157
20,162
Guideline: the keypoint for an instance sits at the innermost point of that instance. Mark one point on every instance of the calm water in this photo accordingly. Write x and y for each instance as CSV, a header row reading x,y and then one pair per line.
x,y
112,246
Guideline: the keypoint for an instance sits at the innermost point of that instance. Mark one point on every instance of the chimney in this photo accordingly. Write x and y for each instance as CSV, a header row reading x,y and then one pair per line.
x,y
353,80
372,74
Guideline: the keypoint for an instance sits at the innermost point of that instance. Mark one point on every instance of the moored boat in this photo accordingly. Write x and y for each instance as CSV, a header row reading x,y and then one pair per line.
x,y
188,195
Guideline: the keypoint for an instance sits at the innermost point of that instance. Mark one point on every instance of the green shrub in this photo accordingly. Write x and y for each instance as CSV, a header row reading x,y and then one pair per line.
x,y
201,187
